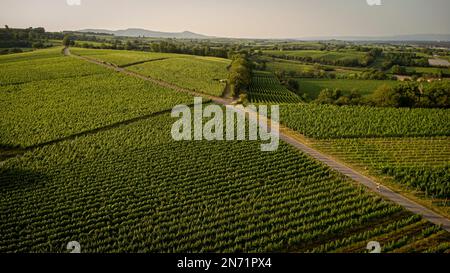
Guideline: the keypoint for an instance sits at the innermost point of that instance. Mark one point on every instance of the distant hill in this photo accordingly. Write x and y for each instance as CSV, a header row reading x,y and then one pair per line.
x,y
417,37
137,32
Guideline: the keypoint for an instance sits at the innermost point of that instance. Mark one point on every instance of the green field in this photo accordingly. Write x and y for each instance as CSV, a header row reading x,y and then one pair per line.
x,y
32,55
289,66
91,43
320,56
378,140
312,87
71,96
45,67
304,45
328,121
102,168
133,189
202,74
422,164
266,88
429,70
302,68
121,57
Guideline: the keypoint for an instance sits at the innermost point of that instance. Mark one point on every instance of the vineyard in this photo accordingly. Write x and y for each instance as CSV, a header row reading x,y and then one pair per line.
x,y
121,57
200,74
320,56
100,165
266,88
419,163
409,147
428,70
312,87
133,189
85,97
300,68
327,121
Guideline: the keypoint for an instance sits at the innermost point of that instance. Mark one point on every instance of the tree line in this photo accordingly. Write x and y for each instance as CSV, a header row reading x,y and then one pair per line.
x,y
240,76
408,94
403,59
13,39
199,48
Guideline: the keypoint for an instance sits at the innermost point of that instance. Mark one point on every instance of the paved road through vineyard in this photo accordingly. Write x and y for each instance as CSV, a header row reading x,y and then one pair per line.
x,y
292,138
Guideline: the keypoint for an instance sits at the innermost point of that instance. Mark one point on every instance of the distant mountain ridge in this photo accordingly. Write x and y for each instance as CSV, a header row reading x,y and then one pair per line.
x,y
138,32
413,37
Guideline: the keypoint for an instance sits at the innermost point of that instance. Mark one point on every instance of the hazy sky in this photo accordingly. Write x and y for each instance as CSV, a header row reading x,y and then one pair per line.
x,y
236,18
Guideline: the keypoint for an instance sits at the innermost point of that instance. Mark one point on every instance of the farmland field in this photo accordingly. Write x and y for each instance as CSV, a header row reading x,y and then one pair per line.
x,y
127,186
84,98
320,56
266,88
429,70
420,163
406,148
438,62
162,128
328,121
120,57
91,43
201,74
133,189
44,67
289,66
302,68
312,87
32,55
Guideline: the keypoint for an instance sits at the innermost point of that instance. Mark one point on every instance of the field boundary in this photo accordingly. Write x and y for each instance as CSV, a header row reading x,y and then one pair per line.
x,y
291,138
7,152
143,62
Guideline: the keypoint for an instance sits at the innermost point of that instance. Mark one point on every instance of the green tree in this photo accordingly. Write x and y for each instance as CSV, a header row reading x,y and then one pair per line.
x,y
399,70
240,74
67,40
326,96
384,96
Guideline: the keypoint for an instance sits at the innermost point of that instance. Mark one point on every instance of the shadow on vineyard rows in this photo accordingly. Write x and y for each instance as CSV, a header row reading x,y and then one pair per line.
x,y
14,178
9,151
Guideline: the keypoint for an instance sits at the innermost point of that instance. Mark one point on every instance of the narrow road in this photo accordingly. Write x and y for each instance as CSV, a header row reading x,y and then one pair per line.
x,y
293,138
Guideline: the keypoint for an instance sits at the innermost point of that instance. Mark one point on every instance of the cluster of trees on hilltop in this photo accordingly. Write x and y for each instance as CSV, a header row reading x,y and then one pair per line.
x,y
408,94
14,38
